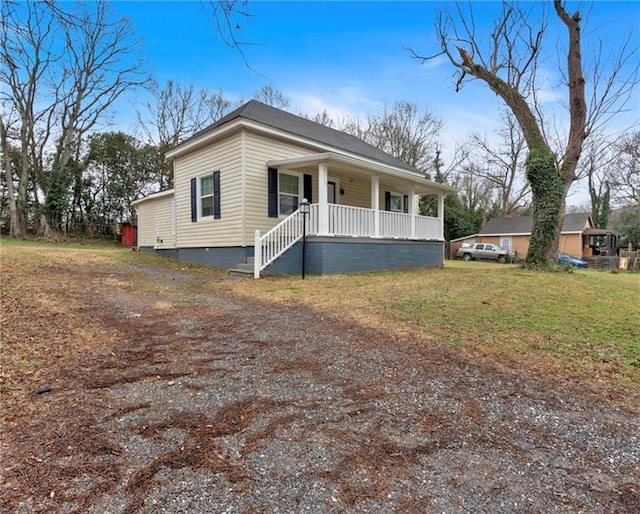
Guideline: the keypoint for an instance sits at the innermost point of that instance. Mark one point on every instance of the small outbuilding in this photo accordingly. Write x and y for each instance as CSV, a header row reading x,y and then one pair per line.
x,y
578,237
128,234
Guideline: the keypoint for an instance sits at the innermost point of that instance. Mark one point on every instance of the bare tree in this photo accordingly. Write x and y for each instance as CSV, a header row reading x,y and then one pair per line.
x,y
269,95
27,52
626,171
507,62
16,225
175,113
229,18
501,164
62,70
323,118
598,166
402,130
475,193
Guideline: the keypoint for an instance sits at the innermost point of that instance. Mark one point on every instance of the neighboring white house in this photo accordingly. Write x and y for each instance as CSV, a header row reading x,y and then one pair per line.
x,y
238,185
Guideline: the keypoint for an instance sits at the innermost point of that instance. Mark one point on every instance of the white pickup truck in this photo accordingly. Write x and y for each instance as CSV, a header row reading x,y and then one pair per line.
x,y
482,251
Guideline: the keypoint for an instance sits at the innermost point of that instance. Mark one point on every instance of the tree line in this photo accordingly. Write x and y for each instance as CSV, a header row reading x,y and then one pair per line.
x,y
64,69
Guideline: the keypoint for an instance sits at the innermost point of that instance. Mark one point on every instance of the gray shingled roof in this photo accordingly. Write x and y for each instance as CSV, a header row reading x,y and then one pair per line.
x,y
573,222
299,126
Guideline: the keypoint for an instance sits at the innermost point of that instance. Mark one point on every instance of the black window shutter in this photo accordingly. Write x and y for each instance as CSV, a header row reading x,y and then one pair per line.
x,y
307,188
216,195
273,192
194,201
405,200
387,200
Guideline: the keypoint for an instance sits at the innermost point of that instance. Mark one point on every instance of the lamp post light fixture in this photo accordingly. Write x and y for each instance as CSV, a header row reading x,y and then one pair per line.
x,y
305,209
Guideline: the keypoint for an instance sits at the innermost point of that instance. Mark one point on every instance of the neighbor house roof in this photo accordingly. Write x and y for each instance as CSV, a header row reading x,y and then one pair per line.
x,y
521,225
299,126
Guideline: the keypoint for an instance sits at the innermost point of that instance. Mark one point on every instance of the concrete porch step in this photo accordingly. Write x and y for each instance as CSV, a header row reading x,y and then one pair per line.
x,y
241,272
245,268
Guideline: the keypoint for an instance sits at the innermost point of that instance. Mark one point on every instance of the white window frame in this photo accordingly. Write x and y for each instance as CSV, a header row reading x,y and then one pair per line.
x,y
300,189
508,248
199,196
393,195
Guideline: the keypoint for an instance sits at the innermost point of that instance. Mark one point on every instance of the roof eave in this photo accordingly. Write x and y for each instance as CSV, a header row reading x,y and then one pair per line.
x,y
203,139
239,123
511,234
152,196
360,162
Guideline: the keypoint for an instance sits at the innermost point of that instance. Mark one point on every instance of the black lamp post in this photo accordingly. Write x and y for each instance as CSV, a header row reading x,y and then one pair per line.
x,y
305,208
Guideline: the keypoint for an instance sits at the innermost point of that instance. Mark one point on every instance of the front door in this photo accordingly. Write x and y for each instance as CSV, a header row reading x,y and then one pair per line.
x,y
331,191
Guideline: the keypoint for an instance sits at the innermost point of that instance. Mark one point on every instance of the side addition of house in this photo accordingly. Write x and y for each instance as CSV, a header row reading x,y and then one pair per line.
x,y
239,183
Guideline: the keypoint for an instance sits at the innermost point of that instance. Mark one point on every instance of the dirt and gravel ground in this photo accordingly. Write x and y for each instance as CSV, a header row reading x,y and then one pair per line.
x,y
195,400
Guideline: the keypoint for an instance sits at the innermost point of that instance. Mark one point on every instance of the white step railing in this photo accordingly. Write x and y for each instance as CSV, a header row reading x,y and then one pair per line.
x,y
275,242
343,220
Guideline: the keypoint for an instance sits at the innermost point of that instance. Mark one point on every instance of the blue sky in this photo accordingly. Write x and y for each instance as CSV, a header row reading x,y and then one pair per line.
x,y
345,57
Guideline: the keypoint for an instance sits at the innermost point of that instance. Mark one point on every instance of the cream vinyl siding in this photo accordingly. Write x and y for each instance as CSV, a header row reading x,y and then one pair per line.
x,y
259,150
225,156
146,224
165,223
156,224
357,191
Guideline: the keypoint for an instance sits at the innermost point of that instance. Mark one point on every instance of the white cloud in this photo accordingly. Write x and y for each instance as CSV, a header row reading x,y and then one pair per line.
x,y
310,105
339,102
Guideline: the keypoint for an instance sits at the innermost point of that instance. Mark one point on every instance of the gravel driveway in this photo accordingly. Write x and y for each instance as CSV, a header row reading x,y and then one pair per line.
x,y
213,403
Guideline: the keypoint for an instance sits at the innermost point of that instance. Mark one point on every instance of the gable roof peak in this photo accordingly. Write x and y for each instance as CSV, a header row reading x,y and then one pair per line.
x,y
295,125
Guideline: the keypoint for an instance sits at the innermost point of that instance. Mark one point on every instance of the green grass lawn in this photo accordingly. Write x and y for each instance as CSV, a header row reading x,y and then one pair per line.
x,y
585,323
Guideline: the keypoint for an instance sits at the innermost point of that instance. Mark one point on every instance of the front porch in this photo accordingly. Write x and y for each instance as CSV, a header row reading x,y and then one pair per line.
x,y
345,220
344,230
350,198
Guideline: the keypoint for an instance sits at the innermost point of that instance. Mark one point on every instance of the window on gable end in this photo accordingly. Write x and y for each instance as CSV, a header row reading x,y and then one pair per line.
x,y
206,196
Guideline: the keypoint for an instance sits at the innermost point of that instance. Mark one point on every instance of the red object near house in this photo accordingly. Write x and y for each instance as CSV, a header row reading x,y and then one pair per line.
x,y
128,234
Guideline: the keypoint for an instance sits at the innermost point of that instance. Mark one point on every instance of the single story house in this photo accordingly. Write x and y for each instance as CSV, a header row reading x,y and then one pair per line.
x,y
238,185
514,234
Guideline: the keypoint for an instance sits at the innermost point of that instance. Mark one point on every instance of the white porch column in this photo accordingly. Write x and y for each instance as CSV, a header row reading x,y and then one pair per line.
x,y
441,214
412,211
323,202
375,197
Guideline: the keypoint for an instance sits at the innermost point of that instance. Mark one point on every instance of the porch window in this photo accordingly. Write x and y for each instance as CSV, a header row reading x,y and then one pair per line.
x,y
395,202
289,194
206,196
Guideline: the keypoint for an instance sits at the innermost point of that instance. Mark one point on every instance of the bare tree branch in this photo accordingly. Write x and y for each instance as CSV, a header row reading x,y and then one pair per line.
x,y
229,17
508,63
65,69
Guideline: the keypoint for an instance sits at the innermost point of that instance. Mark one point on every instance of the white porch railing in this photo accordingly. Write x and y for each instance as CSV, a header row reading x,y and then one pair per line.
x,y
273,244
428,227
344,220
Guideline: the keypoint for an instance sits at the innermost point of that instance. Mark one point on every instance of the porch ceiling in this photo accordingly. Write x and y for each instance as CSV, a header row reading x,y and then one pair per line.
x,y
361,167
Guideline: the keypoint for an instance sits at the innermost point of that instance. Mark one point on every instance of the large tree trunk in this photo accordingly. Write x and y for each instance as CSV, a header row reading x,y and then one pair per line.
x,y
16,222
549,196
549,180
547,184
